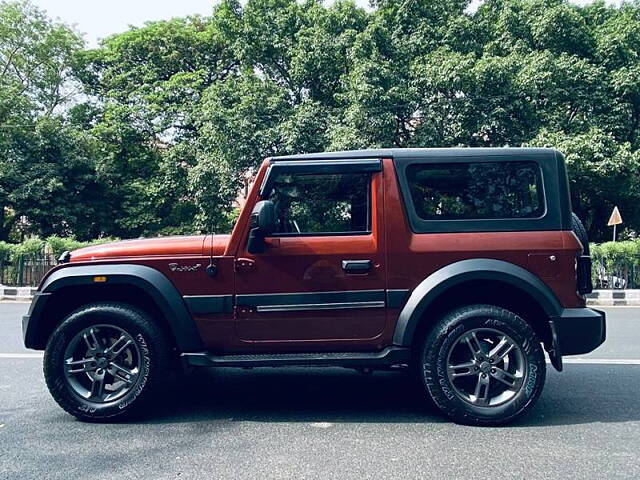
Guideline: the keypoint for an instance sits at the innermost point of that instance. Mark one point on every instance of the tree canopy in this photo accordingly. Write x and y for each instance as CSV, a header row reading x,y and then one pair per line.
x,y
156,129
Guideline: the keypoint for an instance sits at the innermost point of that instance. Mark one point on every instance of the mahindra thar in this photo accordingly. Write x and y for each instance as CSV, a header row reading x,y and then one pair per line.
x,y
461,265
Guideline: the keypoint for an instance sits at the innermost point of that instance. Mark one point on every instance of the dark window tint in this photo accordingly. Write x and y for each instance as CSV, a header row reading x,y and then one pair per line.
x,y
479,190
336,203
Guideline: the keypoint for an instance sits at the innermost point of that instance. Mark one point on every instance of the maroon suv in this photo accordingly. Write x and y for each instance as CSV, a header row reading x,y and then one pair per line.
x,y
460,264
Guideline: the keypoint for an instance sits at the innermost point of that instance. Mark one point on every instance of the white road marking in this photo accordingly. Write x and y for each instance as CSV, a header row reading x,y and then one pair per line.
x,y
603,361
321,424
21,355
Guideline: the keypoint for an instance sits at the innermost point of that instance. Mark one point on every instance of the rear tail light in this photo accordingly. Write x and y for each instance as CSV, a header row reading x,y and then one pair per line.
x,y
583,273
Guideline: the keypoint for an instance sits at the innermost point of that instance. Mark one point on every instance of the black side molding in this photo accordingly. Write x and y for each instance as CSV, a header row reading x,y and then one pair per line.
x,y
397,297
313,300
202,304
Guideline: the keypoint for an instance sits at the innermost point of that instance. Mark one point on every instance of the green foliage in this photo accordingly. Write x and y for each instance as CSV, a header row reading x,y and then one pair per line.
x,y
56,245
45,165
31,246
7,250
168,120
617,259
24,263
53,245
603,173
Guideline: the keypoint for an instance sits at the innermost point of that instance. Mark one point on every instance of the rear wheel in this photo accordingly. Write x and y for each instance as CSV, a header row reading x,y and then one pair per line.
x,y
104,361
483,365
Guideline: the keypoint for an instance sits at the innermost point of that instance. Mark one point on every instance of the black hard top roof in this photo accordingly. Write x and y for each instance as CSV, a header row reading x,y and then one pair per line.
x,y
416,153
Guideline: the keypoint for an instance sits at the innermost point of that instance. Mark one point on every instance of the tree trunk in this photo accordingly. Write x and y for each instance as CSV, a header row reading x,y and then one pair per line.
x,y
3,233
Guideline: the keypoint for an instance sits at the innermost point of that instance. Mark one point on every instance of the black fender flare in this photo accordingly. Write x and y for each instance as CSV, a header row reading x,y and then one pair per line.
x,y
151,281
463,271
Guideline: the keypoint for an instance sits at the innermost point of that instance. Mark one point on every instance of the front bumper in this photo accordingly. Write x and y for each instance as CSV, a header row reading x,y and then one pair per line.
x,y
578,331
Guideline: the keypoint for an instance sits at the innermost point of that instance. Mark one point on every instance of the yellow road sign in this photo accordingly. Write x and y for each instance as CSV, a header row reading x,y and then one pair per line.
x,y
615,219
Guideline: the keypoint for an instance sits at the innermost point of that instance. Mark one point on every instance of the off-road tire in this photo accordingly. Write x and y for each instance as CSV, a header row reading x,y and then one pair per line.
x,y
434,356
578,228
150,341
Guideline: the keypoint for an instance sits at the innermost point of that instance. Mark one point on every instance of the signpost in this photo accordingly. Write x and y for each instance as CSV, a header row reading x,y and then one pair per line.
x,y
614,220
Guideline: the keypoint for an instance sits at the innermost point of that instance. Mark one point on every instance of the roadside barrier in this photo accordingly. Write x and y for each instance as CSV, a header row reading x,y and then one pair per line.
x,y
609,298
16,293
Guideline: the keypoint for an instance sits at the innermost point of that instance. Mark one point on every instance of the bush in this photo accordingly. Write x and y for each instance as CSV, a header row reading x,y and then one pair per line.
x,y
616,264
7,250
27,262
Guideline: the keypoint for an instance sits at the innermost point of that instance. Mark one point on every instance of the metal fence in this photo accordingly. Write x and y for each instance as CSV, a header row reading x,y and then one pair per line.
x,y
621,276
25,270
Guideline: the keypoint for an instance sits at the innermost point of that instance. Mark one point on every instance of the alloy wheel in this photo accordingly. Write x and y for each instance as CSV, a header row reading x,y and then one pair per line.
x,y
486,367
102,363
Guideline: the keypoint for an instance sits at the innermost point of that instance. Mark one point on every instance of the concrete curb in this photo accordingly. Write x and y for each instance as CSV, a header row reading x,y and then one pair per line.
x,y
602,298
19,294
608,298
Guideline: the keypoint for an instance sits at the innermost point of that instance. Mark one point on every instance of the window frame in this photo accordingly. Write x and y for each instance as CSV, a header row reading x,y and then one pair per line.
x,y
549,220
323,167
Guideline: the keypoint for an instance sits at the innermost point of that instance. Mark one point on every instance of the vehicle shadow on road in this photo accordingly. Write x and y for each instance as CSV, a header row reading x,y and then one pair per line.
x,y
295,395
583,394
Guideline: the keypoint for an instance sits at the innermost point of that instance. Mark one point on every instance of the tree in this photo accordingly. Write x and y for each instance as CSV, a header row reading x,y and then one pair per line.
x,y
175,115
52,181
36,55
603,173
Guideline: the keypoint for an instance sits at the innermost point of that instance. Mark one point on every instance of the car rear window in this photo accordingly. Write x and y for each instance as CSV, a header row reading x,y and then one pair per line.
x,y
476,190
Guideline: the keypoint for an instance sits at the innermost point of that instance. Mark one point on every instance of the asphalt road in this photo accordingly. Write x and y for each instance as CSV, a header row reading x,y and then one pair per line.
x,y
310,423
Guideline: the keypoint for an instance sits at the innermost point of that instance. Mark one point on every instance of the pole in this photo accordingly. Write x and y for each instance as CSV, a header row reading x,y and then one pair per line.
x,y
614,233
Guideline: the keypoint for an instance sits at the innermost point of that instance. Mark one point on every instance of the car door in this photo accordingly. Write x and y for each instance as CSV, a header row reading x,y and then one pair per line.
x,y
320,283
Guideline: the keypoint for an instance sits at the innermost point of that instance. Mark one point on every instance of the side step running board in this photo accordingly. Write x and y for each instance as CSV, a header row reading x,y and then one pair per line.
x,y
388,356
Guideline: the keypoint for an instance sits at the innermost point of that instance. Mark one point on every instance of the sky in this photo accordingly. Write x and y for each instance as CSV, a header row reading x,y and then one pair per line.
x,y
98,19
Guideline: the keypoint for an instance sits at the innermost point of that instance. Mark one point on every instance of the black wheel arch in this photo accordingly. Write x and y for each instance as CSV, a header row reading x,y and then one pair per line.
x,y
478,281
71,287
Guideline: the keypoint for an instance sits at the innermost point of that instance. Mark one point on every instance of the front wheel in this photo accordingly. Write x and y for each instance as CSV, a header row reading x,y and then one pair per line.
x,y
483,365
105,361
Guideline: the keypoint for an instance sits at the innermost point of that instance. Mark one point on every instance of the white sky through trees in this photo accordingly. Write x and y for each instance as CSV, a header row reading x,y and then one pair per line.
x,y
98,19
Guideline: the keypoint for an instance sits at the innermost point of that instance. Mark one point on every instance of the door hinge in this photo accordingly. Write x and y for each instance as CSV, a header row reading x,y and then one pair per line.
x,y
244,265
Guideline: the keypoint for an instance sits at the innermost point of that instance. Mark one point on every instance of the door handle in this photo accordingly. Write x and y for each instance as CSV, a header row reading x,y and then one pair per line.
x,y
356,266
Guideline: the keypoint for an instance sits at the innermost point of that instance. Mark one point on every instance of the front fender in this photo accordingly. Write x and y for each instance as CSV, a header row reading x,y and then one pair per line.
x,y
463,271
151,281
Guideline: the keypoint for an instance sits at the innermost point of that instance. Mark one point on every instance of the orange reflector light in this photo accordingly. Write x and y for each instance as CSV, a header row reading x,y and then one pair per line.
x,y
100,279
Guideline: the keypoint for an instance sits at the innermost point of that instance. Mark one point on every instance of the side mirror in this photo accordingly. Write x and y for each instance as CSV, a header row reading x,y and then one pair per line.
x,y
262,222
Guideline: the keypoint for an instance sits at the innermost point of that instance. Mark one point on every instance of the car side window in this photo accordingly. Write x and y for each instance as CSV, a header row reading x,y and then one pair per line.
x,y
476,190
308,204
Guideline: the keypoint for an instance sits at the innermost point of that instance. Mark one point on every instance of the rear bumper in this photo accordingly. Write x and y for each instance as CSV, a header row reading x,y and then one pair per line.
x,y
578,331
